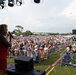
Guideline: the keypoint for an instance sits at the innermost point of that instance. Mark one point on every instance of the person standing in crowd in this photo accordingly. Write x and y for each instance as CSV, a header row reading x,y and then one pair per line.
x,y
4,45
67,49
74,47
70,46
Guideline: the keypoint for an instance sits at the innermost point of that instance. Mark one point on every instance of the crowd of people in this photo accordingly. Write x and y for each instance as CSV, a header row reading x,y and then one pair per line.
x,y
39,47
70,55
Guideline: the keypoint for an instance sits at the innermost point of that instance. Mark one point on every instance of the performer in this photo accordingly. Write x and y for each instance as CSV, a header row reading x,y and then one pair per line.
x,y
4,44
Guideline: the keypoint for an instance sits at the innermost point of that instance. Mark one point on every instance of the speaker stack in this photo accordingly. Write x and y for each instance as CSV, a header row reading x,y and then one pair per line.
x,y
23,66
74,31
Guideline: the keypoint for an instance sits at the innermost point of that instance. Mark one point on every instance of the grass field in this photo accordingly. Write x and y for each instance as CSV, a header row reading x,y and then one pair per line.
x,y
58,70
63,70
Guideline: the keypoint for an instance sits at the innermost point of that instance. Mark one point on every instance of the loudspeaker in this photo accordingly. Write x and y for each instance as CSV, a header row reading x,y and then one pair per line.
x,y
74,31
23,63
12,71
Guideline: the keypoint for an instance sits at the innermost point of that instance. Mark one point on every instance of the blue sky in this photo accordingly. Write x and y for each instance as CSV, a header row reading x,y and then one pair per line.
x,y
47,16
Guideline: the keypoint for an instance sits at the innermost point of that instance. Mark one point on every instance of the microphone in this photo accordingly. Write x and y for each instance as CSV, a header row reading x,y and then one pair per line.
x,y
11,36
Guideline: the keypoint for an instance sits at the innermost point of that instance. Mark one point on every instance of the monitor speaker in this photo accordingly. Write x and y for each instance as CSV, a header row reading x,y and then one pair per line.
x,y
23,63
12,71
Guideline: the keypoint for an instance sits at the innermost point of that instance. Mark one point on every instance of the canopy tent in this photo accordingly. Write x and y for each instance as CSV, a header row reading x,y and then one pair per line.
x,y
74,36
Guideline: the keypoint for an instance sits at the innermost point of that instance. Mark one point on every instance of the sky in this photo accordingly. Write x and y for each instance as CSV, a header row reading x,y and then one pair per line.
x,y
55,16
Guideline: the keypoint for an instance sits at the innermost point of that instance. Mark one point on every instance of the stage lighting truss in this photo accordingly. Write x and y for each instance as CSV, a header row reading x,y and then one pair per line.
x,y
11,3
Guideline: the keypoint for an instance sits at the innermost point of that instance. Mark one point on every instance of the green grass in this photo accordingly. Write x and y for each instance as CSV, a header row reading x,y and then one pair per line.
x,y
63,70
58,70
46,63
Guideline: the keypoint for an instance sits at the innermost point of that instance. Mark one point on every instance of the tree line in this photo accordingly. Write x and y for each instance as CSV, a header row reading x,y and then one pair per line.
x,y
19,31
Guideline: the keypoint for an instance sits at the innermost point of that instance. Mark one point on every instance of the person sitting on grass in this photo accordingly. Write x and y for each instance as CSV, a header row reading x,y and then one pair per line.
x,y
66,59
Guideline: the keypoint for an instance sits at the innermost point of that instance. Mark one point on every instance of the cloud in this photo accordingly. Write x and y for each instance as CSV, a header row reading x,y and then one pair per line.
x,y
5,21
70,10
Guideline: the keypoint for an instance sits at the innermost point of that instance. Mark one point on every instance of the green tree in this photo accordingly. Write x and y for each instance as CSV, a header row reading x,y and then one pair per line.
x,y
28,32
18,30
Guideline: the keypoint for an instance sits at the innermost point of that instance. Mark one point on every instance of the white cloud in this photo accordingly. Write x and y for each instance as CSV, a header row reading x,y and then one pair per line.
x,y
70,10
5,21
